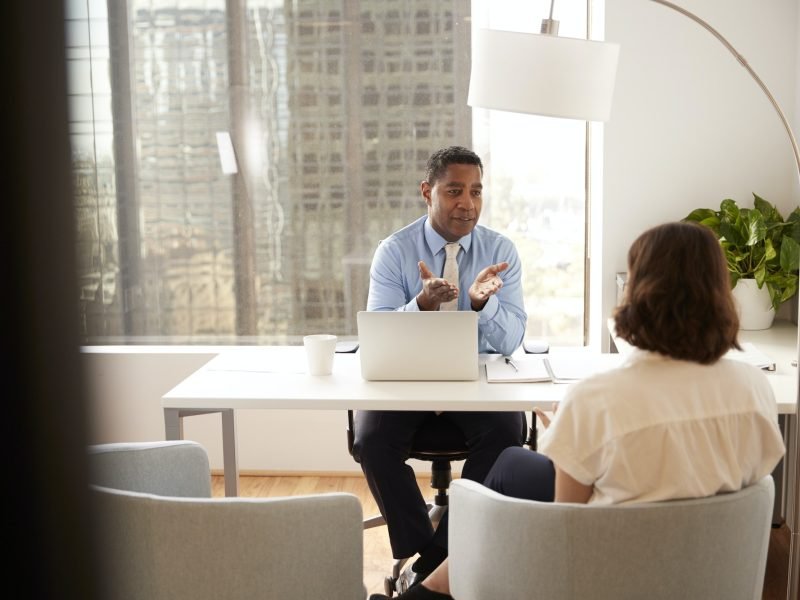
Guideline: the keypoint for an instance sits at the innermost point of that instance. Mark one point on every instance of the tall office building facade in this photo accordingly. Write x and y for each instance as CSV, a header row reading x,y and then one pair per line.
x,y
374,87
333,108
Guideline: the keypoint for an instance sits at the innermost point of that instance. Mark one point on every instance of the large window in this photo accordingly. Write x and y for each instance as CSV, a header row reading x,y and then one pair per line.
x,y
333,108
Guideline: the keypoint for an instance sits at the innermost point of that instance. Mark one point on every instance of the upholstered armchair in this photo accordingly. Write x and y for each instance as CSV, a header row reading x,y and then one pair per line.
x,y
161,536
713,548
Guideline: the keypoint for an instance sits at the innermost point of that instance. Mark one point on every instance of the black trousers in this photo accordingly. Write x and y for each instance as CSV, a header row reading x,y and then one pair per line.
x,y
522,473
382,444
519,473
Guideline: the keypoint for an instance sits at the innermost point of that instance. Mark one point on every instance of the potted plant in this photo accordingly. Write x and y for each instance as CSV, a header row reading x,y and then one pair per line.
x,y
763,254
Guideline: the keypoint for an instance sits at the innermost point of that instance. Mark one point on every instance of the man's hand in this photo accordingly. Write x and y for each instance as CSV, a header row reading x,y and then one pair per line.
x,y
486,284
435,290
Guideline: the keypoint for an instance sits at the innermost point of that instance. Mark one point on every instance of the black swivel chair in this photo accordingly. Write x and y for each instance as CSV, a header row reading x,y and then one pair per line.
x,y
440,442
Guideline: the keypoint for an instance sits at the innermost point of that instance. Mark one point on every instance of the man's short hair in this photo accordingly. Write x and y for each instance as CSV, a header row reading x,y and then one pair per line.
x,y
678,299
452,155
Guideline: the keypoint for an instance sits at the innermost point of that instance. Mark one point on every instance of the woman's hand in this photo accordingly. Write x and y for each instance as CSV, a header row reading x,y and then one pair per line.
x,y
544,416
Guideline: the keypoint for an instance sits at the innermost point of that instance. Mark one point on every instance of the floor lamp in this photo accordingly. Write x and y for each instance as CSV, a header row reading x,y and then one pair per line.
x,y
574,78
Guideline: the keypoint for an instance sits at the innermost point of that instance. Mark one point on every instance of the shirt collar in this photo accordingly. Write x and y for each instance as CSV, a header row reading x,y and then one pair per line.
x,y
436,242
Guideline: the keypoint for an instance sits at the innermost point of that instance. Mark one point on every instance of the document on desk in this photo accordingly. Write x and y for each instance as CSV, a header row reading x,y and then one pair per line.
x,y
558,368
526,369
574,366
752,356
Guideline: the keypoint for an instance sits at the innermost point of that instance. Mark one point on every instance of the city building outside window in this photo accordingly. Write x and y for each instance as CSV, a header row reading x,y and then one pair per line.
x,y
332,107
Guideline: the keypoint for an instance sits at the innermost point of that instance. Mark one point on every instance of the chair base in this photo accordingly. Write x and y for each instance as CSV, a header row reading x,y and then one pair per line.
x,y
435,512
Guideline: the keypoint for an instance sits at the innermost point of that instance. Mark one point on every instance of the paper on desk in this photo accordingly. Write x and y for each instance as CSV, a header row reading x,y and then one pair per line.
x,y
530,370
752,356
574,366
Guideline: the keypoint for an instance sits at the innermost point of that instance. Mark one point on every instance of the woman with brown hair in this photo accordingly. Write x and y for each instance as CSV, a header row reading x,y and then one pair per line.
x,y
676,420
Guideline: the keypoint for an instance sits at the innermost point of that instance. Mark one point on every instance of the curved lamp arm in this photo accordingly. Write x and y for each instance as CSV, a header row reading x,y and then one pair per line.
x,y
793,479
749,69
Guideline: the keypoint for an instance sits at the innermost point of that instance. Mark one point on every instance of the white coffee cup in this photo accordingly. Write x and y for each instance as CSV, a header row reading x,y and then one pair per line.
x,y
320,349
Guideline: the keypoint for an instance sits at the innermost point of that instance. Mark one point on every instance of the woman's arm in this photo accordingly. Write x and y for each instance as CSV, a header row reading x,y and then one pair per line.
x,y
567,488
570,490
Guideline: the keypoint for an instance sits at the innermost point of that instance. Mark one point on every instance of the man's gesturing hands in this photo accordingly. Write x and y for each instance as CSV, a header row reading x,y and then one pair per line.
x,y
436,290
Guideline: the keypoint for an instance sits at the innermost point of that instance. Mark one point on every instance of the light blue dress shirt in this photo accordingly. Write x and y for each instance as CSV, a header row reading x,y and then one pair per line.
x,y
395,281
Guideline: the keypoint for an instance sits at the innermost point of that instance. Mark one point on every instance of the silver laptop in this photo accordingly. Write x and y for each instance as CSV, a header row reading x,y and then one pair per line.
x,y
418,346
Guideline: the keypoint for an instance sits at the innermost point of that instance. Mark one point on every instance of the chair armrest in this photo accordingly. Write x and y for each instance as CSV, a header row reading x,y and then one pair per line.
x,y
233,548
178,468
481,524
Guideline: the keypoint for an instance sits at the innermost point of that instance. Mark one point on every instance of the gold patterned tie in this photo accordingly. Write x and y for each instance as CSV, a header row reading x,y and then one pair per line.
x,y
451,272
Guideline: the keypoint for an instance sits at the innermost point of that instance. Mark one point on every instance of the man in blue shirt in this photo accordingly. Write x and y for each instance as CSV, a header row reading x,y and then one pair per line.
x,y
406,275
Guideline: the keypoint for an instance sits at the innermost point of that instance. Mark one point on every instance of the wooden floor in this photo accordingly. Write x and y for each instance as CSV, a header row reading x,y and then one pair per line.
x,y
378,556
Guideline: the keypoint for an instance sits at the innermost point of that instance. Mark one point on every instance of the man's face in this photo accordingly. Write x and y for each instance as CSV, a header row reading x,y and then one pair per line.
x,y
454,201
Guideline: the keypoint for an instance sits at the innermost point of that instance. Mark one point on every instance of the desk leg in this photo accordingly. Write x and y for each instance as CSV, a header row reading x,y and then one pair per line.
x,y
229,458
173,430
173,425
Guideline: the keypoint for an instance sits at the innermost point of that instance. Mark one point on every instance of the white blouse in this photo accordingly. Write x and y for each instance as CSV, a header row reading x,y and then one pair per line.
x,y
657,428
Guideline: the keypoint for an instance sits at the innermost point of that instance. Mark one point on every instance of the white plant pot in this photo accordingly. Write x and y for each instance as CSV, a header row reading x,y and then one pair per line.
x,y
753,305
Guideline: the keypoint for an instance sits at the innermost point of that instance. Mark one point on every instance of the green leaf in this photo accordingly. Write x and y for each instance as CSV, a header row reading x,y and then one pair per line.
x,y
699,214
728,210
705,216
755,230
769,211
790,289
774,295
769,250
793,225
736,235
790,255
760,275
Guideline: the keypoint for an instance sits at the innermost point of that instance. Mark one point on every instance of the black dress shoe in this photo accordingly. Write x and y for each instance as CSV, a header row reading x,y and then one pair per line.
x,y
409,578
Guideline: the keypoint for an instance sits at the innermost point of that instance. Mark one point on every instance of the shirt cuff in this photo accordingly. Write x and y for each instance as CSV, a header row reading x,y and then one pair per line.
x,y
489,310
412,305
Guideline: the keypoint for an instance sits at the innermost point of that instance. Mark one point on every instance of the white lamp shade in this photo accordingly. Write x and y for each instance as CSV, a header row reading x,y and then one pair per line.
x,y
543,74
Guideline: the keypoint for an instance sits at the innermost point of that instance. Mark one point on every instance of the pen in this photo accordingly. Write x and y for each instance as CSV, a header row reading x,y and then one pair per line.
x,y
511,362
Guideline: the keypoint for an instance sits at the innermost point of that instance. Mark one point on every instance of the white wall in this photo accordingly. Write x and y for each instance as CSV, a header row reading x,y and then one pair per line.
x,y
126,385
689,127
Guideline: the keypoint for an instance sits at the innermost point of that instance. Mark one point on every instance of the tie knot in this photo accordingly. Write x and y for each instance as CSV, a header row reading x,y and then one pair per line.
x,y
452,248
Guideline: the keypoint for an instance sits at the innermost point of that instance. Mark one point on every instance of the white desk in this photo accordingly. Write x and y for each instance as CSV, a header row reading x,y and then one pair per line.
x,y
274,377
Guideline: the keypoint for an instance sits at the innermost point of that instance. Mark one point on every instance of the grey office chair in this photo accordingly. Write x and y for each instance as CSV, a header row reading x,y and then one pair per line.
x,y
712,548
